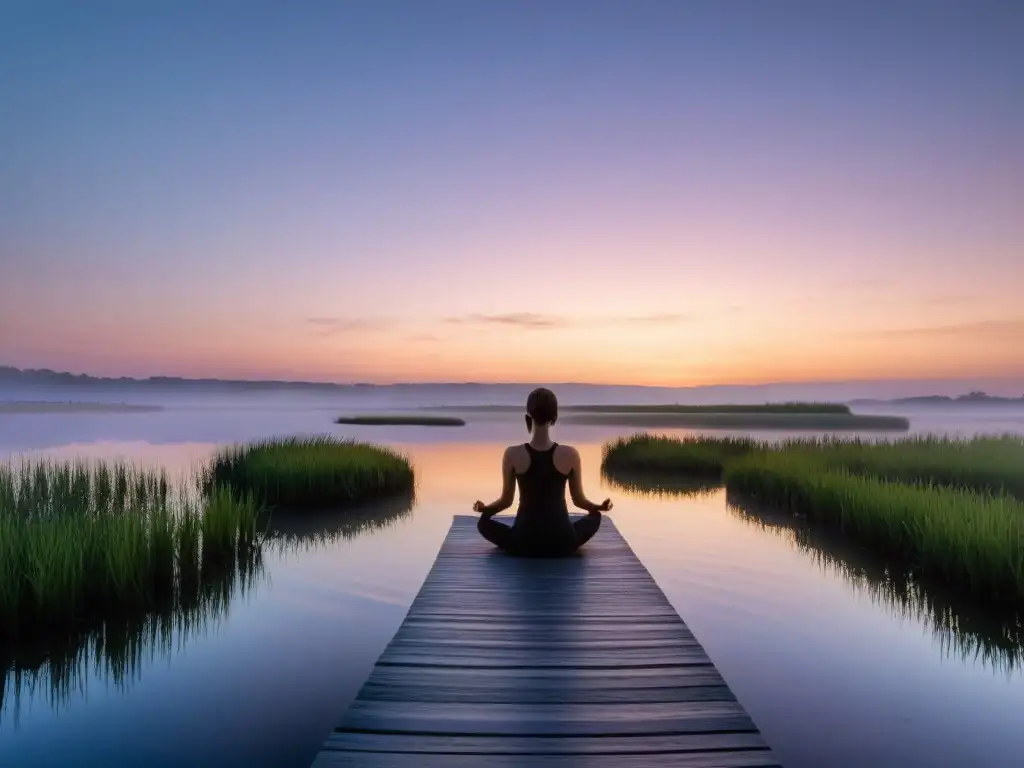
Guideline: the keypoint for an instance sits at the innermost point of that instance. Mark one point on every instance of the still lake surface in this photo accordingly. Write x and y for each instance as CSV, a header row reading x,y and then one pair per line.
x,y
837,666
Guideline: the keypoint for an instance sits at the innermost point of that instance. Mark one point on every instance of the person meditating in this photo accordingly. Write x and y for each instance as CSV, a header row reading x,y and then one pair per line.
x,y
542,526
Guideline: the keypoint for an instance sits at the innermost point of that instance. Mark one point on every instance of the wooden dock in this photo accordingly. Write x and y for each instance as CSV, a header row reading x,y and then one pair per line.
x,y
579,661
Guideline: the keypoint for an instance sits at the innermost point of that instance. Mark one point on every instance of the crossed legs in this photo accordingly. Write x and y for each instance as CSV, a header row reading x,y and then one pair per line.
x,y
586,527
501,535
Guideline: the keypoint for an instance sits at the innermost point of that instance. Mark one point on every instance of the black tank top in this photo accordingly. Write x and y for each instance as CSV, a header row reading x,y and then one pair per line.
x,y
542,520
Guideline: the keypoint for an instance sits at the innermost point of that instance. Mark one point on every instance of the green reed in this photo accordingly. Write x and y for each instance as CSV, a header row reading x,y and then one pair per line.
x,y
80,542
971,541
986,464
946,506
695,455
992,464
315,472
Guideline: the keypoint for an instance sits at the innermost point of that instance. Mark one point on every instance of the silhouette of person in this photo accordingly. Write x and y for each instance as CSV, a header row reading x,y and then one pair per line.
x,y
542,468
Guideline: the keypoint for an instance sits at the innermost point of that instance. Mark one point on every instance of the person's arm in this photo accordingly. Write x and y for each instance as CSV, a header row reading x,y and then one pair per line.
x,y
579,499
508,489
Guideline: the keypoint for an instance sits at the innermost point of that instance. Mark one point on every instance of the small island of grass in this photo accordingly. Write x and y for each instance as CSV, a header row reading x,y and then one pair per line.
x,y
776,416
83,544
753,420
401,420
834,408
310,473
951,509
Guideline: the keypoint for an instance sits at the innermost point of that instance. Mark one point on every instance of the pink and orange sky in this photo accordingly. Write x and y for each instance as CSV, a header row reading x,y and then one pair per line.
x,y
657,193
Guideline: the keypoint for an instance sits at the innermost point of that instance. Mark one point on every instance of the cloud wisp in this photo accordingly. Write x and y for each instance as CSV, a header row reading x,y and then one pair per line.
x,y
530,320
535,321
654,318
1001,329
864,283
330,326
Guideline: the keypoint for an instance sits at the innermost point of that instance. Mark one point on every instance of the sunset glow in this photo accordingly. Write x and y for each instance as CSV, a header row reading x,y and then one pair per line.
x,y
664,193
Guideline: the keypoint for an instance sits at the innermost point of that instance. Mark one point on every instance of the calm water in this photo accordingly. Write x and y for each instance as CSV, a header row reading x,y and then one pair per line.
x,y
836,666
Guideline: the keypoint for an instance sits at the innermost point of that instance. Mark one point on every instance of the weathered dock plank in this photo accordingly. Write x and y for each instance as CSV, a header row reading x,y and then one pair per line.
x,y
578,661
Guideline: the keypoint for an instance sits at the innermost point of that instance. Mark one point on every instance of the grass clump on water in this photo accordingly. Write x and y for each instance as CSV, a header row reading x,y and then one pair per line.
x,y
807,408
971,541
949,508
775,416
694,456
80,543
743,420
833,408
985,464
307,473
401,420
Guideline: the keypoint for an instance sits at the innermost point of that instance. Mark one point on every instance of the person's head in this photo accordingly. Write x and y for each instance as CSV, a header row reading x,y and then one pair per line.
x,y
541,408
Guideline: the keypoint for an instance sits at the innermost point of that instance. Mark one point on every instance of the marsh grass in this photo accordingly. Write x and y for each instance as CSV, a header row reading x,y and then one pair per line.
x,y
309,473
655,454
401,420
993,464
833,408
941,505
986,464
773,416
959,625
970,541
80,542
794,421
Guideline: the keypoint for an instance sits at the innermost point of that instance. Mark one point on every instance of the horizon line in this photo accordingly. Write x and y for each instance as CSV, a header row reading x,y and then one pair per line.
x,y
300,382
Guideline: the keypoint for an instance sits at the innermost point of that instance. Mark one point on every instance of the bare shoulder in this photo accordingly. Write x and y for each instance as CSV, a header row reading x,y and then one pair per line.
x,y
566,458
514,451
518,456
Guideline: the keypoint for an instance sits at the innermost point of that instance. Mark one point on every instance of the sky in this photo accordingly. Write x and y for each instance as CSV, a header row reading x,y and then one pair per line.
x,y
667,193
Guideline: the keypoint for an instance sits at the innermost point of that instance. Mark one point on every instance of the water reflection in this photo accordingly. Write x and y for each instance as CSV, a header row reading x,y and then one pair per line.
x,y
833,679
646,484
961,629
116,650
310,530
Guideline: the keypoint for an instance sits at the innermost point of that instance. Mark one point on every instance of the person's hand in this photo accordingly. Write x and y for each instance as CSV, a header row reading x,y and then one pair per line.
x,y
478,506
605,505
